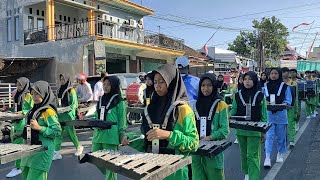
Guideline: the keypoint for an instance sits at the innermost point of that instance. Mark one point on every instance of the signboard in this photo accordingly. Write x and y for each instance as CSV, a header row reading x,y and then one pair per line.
x,y
99,50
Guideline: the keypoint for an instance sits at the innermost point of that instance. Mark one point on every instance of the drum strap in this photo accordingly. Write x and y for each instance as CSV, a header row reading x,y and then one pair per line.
x,y
210,112
166,119
254,98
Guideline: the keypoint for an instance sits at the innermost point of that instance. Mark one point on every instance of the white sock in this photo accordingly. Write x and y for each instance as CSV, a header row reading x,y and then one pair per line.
x,y
267,156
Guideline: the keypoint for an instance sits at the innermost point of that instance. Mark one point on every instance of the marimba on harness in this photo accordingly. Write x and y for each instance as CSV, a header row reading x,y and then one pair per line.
x,y
212,148
89,123
250,125
11,152
146,166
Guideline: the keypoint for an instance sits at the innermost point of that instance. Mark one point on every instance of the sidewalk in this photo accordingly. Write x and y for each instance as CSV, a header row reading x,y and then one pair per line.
x,y
312,168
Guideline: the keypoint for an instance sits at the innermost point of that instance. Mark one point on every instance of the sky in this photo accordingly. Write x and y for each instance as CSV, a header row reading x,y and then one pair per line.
x,y
235,14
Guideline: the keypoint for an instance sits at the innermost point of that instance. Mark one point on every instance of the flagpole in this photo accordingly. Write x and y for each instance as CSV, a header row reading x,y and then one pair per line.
x,y
205,45
306,37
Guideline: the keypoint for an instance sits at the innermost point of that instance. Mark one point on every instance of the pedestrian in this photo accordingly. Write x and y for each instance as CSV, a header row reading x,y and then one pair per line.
x,y
250,141
281,95
67,97
149,91
111,107
43,121
217,128
311,101
98,87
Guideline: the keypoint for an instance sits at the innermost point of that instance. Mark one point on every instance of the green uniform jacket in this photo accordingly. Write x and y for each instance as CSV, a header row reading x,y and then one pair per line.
x,y
50,129
220,131
27,105
73,105
242,132
112,136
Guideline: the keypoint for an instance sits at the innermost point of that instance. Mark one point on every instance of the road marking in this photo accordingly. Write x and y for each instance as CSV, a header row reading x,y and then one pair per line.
x,y
277,166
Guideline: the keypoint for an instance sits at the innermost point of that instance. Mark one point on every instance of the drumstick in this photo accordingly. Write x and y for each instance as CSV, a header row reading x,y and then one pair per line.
x,y
140,137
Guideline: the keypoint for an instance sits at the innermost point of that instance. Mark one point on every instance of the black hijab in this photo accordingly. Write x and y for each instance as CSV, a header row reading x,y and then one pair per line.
x,y
273,85
159,105
115,89
44,90
247,93
263,81
20,95
63,92
221,84
240,85
204,103
150,89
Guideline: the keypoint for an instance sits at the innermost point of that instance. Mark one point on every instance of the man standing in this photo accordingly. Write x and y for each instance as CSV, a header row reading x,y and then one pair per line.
x,y
191,82
84,90
98,87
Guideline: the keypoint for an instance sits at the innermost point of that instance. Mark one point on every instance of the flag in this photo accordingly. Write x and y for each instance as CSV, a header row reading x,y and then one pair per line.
x,y
302,24
205,49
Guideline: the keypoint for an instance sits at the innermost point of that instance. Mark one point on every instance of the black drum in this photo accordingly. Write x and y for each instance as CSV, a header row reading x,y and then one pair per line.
x,y
301,85
311,88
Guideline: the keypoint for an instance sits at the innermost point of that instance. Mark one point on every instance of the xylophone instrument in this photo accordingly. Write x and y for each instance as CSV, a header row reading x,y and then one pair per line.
x,y
11,152
212,148
89,123
144,166
250,125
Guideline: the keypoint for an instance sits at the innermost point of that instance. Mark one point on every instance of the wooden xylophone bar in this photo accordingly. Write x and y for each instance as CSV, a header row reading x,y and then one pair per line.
x,y
250,125
89,123
138,110
10,116
12,152
146,166
212,148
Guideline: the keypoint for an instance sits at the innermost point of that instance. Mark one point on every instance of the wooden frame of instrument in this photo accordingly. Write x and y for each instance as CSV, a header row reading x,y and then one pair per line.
x,y
157,174
263,129
214,150
89,123
16,153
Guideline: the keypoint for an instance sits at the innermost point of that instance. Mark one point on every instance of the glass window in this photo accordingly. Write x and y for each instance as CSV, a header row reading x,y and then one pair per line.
x,y
30,23
40,24
16,28
9,29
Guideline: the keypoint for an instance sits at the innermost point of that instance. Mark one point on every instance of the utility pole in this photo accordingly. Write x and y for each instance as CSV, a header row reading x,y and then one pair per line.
x,y
260,48
159,29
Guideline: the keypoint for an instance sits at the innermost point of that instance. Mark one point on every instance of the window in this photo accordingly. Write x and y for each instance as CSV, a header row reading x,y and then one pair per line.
x,y
40,24
30,10
16,28
9,29
84,2
65,18
30,23
60,17
74,20
98,7
38,12
69,19
42,13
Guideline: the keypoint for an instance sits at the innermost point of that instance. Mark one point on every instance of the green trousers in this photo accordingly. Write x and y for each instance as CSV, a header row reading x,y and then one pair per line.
x,y
103,146
202,169
311,104
33,174
291,124
71,133
250,155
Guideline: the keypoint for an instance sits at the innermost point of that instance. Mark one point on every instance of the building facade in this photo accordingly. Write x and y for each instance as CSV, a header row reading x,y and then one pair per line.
x,y
42,38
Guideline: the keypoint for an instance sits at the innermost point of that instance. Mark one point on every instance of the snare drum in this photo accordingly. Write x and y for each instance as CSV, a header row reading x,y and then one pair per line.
x,y
135,92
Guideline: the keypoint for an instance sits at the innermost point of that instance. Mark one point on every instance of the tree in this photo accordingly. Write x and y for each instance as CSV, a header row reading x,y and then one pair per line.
x,y
269,30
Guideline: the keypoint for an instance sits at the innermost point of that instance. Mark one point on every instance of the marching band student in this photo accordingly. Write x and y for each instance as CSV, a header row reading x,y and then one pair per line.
x,y
294,78
293,110
311,101
150,88
23,102
263,79
111,107
177,133
209,103
314,75
67,97
239,87
221,84
43,121
276,91
250,141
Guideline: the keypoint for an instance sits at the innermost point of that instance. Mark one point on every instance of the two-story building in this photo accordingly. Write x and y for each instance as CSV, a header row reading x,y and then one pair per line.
x,y
40,39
